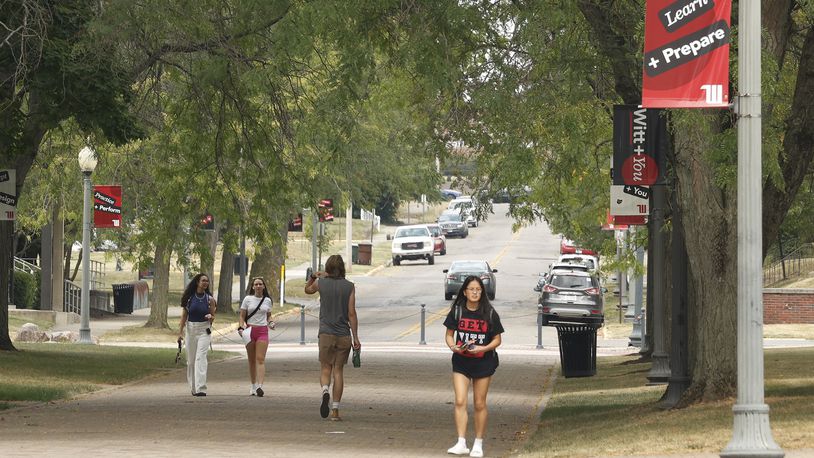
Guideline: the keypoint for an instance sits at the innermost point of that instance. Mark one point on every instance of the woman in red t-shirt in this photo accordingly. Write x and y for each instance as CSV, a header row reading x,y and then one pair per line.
x,y
473,334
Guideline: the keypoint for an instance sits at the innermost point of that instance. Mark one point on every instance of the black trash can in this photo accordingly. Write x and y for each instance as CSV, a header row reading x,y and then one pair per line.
x,y
577,349
123,298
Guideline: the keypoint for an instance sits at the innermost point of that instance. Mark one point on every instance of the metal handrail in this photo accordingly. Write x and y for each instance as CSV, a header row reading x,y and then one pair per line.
x,y
25,266
794,264
73,297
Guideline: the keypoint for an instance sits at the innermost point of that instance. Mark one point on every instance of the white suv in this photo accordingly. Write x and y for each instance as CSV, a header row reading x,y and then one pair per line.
x,y
413,242
465,206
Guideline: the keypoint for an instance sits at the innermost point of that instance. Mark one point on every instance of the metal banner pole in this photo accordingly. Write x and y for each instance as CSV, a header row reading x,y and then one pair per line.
x,y
752,434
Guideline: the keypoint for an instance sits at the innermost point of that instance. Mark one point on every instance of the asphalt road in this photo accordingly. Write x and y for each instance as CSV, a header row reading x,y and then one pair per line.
x,y
389,302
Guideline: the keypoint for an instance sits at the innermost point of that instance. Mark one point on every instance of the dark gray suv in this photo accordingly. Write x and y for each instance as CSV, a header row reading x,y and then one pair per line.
x,y
572,297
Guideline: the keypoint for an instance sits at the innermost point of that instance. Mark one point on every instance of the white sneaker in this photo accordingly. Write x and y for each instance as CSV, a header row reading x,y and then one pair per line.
x,y
459,449
476,451
253,391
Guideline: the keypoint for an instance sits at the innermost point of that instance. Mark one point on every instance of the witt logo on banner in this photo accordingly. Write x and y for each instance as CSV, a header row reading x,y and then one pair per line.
x,y
714,93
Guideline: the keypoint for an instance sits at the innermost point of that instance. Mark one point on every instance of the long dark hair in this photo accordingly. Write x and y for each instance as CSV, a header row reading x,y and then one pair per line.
x,y
192,287
250,289
335,266
485,309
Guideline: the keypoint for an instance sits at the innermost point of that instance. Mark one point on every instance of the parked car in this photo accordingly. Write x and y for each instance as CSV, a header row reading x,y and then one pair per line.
x,y
573,297
452,224
450,194
465,206
459,270
558,267
439,239
569,247
413,242
585,259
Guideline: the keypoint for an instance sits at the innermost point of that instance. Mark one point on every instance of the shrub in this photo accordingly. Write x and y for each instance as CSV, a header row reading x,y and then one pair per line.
x,y
26,290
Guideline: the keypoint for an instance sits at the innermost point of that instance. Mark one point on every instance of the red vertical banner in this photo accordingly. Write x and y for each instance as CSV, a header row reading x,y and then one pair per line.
x,y
686,54
107,206
326,210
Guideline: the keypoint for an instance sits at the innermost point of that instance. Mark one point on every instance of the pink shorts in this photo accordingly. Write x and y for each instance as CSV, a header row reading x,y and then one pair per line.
x,y
259,333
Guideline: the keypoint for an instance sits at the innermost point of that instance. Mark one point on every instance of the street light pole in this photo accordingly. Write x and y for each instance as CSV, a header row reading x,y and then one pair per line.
x,y
87,163
752,434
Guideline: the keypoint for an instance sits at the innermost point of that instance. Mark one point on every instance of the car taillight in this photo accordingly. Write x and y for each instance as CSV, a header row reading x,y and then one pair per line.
x,y
592,291
546,309
549,289
596,312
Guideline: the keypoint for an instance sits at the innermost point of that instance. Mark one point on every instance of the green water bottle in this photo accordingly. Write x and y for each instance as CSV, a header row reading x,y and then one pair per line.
x,y
357,357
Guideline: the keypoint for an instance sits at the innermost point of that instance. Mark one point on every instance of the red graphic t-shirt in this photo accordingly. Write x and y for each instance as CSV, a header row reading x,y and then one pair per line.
x,y
470,326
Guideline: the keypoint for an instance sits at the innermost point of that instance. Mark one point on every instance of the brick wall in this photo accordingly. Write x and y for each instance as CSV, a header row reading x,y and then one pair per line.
x,y
786,306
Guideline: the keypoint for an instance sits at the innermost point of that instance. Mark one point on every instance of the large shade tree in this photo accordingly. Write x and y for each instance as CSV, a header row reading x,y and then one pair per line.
x,y
555,70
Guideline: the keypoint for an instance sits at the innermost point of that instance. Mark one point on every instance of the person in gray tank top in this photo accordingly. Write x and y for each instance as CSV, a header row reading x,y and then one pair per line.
x,y
338,330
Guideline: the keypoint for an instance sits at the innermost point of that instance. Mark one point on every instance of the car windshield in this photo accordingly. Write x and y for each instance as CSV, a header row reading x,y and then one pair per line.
x,y
570,281
435,231
470,266
449,217
413,232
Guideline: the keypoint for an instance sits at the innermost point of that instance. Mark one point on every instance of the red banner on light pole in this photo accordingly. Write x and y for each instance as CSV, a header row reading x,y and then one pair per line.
x,y
686,54
107,206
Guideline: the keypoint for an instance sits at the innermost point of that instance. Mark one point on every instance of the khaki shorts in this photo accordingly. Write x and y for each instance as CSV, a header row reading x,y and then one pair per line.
x,y
334,349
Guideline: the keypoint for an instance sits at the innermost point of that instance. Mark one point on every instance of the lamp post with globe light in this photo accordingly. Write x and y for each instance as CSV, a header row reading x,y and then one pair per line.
x,y
87,163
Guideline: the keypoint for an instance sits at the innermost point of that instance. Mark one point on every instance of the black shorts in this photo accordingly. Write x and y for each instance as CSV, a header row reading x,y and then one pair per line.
x,y
475,367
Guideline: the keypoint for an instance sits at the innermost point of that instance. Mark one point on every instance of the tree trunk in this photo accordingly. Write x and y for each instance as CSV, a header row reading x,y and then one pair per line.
x,y
66,265
161,286
6,264
78,263
798,148
58,244
710,224
269,259
225,281
208,257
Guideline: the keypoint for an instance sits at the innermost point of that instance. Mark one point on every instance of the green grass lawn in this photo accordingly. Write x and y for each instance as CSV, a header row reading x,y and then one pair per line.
x,y
47,372
614,413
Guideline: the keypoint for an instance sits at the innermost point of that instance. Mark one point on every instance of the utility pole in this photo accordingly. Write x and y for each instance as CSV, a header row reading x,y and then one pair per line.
x,y
752,434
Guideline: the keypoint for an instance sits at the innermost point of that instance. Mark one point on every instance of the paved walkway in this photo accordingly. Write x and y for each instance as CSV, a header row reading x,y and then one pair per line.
x,y
404,415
